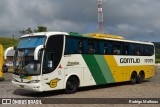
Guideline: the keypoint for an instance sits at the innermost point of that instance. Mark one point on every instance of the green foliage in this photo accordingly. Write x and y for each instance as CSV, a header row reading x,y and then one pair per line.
x,y
157,61
157,51
8,42
41,29
29,30
157,47
157,56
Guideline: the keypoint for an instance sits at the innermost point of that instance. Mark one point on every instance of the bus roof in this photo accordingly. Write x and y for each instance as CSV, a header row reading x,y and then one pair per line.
x,y
90,35
96,35
102,36
106,37
45,34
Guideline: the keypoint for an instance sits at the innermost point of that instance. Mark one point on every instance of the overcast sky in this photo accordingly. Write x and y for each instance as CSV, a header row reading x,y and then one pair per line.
x,y
132,19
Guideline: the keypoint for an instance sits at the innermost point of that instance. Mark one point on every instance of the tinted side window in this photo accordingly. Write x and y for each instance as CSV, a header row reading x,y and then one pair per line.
x,y
126,50
151,50
143,50
138,49
92,46
74,46
78,45
53,53
103,47
117,48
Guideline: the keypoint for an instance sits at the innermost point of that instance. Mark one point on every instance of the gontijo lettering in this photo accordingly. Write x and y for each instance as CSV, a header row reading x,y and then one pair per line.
x,y
129,60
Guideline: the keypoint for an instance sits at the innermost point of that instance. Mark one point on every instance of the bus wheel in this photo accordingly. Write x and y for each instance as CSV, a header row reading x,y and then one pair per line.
x,y
140,77
71,85
133,79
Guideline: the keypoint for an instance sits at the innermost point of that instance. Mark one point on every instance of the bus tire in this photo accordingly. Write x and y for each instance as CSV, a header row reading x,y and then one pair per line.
x,y
133,79
140,77
72,85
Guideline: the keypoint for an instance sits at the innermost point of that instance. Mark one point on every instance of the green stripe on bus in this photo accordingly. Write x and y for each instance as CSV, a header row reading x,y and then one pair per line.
x,y
75,34
104,68
94,69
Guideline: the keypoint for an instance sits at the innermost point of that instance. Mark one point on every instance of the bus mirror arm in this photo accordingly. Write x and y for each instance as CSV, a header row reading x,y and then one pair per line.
x,y
6,52
37,51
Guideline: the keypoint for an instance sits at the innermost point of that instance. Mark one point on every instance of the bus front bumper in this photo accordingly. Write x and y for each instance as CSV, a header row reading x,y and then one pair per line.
x,y
28,86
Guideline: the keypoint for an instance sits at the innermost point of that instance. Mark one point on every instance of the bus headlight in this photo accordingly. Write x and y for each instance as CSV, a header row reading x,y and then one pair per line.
x,y
34,81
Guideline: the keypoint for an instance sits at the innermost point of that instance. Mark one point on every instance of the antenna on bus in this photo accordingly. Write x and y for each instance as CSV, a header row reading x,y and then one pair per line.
x,y
100,16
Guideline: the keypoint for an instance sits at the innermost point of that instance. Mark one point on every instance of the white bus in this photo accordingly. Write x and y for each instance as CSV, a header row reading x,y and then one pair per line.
x,y
59,60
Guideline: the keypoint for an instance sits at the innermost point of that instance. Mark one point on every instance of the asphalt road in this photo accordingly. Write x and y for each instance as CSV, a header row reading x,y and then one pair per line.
x,y
148,89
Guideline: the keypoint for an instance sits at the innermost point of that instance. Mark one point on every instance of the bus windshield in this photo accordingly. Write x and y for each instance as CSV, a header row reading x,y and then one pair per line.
x,y
24,62
31,42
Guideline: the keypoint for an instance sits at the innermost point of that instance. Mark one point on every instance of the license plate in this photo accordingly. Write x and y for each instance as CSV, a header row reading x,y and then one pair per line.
x,y
21,86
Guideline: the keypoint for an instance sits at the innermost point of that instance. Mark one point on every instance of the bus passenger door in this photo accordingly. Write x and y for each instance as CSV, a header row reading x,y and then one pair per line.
x,y
52,74
52,78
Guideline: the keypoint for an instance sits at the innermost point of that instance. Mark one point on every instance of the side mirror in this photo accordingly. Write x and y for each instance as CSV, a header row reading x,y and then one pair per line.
x,y
6,52
36,51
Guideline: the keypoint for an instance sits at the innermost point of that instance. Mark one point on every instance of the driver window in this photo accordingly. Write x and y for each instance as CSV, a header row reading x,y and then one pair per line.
x,y
49,62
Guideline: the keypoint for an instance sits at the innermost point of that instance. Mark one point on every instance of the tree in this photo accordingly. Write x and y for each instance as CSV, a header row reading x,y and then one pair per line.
x,y
41,29
22,32
29,30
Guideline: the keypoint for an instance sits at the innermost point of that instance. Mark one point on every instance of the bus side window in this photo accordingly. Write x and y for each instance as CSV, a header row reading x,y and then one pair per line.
x,y
145,50
80,47
110,48
69,46
105,48
135,51
116,48
96,47
48,63
85,45
131,49
141,50
138,49
151,50
101,47
126,48
91,49
75,45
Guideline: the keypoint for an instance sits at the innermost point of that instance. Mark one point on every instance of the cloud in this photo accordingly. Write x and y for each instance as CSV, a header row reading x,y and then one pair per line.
x,y
133,19
138,18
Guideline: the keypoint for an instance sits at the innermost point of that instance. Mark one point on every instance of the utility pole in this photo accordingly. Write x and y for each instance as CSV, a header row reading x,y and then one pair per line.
x,y
13,36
